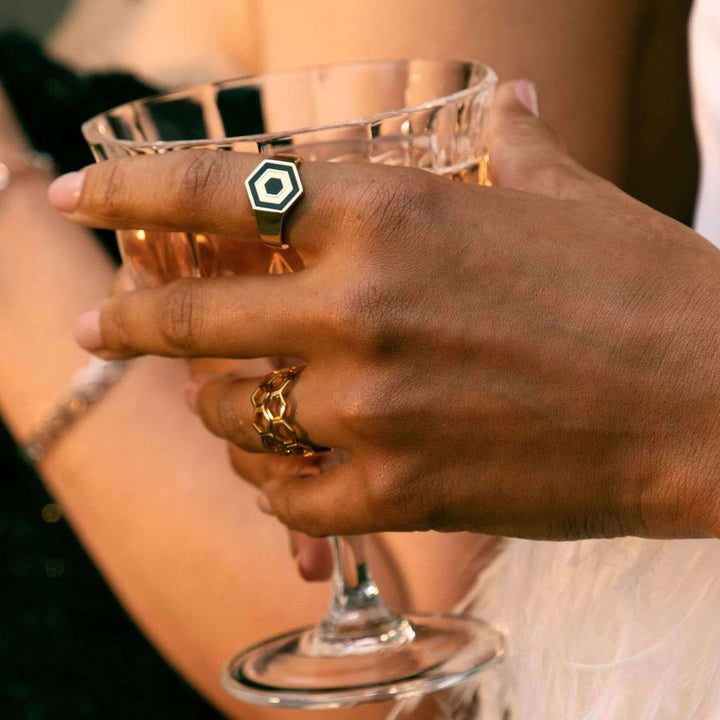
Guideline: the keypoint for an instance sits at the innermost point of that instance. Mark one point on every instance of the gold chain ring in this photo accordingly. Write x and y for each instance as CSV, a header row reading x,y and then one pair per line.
x,y
272,416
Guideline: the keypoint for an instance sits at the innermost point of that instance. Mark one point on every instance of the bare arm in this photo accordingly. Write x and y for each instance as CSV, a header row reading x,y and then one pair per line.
x,y
612,76
147,489
584,56
580,54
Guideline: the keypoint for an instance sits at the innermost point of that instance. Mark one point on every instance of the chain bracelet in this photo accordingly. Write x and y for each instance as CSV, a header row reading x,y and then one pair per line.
x,y
87,387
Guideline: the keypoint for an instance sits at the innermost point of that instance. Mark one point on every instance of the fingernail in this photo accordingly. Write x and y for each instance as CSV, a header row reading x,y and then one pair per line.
x,y
64,193
87,331
264,505
526,93
191,393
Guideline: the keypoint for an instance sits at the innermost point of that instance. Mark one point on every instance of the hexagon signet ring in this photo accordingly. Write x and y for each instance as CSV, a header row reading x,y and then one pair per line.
x,y
274,187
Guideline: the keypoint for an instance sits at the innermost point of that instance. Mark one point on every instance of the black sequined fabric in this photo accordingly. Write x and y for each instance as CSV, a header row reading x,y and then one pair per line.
x,y
67,649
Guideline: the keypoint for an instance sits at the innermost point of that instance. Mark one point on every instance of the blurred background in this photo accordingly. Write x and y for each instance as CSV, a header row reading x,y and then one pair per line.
x,y
35,17
67,648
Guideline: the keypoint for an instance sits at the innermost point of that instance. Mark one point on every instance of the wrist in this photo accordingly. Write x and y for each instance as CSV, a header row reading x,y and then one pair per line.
x,y
686,497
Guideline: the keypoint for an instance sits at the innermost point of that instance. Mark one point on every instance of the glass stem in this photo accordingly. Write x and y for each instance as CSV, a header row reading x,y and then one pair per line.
x,y
357,621
353,585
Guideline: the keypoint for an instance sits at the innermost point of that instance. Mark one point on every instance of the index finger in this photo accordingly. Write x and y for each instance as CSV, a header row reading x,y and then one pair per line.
x,y
197,191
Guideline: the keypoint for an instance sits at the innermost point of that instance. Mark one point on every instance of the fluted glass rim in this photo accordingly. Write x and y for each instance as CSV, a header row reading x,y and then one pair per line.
x,y
91,129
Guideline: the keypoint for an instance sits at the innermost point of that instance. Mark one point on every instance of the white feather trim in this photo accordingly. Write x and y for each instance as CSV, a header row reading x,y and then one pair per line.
x,y
625,629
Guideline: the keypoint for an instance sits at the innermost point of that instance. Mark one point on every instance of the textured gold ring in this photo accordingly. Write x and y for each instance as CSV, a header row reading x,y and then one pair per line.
x,y
274,187
272,416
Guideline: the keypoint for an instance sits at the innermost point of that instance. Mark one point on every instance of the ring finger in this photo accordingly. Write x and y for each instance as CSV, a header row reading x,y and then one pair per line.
x,y
233,408
260,468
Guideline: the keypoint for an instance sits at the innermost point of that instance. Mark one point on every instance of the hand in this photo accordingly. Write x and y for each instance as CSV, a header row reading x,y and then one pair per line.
x,y
537,361
313,556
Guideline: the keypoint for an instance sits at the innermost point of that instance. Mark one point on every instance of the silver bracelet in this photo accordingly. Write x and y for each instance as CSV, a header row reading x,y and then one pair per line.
x,y
88,385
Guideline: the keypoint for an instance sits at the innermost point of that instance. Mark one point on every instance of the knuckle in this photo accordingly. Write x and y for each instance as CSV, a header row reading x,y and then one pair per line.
x,y
372,317
180,315
199,175
536,160
361,409
398,491
561,178
391,206
107,189
373,409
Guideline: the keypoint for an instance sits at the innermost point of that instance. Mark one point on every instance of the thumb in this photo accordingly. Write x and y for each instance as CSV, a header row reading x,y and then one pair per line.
x,y
525,153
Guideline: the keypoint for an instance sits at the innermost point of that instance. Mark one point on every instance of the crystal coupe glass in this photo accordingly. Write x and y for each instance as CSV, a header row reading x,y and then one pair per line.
x,y
418,113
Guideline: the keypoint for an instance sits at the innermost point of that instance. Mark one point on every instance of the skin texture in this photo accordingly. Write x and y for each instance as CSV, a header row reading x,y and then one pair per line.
x,y
551,377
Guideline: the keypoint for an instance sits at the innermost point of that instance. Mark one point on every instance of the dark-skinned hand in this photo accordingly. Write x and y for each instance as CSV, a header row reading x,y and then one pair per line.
x,y
536,359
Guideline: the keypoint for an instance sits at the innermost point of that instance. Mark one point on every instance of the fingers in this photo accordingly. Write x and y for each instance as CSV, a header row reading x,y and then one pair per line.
x,y
238,317
224,405
313,495
258,469
196,191
348,500
312,555
525,154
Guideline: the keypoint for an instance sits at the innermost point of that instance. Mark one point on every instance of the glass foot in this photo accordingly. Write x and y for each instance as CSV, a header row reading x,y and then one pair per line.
x,y
429,653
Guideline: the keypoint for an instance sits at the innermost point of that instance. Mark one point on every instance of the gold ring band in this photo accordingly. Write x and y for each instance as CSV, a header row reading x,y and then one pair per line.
x,y
272,416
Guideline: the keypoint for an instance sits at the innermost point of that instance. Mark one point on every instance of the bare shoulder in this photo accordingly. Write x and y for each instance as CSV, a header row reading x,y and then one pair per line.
x,y
579,52
167,42
611,74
